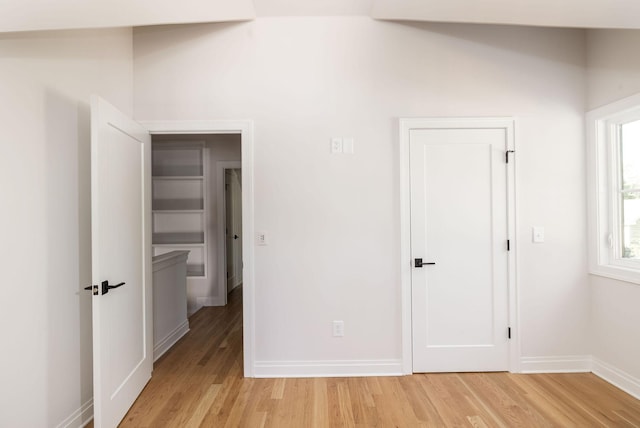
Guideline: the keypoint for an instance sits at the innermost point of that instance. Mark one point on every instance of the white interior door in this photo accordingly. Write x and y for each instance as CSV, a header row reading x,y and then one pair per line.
x,y
233,227
236,220
459,223
121,243
229,231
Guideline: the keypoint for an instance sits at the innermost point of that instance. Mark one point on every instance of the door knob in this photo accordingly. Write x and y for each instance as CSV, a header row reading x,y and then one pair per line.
x,y
419,263
235,236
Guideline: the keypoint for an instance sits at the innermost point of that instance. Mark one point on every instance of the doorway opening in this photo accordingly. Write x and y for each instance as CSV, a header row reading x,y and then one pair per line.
x,y
223,146
195,208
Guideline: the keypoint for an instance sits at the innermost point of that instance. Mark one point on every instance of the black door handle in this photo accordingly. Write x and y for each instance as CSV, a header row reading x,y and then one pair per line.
x,y
105,287
420,263
235,236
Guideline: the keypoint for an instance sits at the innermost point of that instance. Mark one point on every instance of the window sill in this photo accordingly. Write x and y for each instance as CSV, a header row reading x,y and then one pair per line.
x,y
616,272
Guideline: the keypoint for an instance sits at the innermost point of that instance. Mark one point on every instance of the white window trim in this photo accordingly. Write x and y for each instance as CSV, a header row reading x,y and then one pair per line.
x,y
601,186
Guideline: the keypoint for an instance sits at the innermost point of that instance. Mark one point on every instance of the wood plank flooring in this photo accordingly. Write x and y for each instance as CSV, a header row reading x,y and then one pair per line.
x,y
199,383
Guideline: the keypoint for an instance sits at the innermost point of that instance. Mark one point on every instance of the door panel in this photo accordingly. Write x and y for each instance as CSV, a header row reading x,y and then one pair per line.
x,y
236,215
459,222
122,317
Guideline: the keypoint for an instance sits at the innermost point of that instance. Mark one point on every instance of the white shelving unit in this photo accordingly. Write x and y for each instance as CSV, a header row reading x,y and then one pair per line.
x,y
179,203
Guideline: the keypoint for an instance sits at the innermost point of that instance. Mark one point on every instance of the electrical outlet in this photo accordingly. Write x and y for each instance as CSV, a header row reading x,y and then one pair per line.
x,y
338,328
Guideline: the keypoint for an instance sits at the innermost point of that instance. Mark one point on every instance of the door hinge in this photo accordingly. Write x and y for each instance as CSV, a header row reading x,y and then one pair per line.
x,y
508,245
509,332
506,155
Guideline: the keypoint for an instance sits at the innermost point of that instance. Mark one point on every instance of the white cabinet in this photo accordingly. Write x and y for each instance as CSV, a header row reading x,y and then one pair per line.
x,y
170,320
180,202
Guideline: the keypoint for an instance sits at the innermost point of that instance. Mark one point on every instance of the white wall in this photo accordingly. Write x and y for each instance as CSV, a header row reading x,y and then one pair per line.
x,y
334,220
614,73
45,252
613,66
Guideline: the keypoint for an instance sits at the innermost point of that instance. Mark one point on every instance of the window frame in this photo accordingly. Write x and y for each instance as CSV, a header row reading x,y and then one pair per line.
x,y
604,195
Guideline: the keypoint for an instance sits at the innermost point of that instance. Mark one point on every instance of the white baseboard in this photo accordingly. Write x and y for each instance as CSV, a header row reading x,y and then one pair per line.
x,y
210,301
556,364
80,417
340,368
616,377
165,344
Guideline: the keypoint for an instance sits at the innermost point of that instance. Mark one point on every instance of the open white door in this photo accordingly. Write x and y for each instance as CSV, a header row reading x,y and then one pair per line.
x,y
121,241
233,219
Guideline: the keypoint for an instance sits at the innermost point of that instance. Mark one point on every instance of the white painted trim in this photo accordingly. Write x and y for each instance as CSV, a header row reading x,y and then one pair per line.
x,y
616,377
405,247
80,417
328,368
556,364
222,221
515,350
599,190
169,340
245,129
406,125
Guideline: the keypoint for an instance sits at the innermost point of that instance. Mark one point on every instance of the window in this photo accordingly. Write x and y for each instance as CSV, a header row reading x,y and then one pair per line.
x,y
613,134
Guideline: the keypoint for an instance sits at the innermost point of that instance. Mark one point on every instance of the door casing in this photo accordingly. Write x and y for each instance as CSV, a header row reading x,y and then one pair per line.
x,y
245,129
406,125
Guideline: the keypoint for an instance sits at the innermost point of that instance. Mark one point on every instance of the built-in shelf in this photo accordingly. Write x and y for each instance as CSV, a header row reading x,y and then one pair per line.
x,y
179,201
178,160
178,177
176,238
177,204
178,171
195,269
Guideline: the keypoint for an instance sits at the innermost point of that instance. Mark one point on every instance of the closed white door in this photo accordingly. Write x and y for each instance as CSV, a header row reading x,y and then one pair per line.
x,y
121,241
458,180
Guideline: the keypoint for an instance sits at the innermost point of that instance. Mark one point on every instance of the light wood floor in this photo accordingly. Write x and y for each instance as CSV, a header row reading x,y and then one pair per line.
x,y
199,383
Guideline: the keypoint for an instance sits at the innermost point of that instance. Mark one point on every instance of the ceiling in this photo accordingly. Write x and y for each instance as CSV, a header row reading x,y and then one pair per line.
x,y
26,15
549,13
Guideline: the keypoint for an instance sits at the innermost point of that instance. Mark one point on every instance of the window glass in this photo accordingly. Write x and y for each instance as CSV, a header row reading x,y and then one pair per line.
x,y
630,192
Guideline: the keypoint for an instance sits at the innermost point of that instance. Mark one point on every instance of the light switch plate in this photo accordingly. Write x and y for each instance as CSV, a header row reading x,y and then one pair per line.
x,y
336,145
538,234
338,328
347,145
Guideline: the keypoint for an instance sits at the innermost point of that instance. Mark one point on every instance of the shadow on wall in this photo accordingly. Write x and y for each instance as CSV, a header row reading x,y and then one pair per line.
x,y
511,38
68,266
177,36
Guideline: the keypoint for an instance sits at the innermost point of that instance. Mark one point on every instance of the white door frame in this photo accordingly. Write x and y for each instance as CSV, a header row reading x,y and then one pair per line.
x,y
245,129
221,203
406,125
